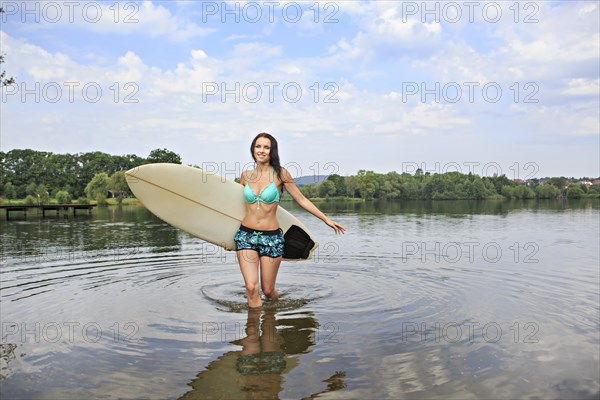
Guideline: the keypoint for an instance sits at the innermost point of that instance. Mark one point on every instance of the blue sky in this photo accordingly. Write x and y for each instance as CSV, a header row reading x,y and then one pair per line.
x,y
503,86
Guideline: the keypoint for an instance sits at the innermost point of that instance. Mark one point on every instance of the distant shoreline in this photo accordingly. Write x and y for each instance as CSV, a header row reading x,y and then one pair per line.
x,y
134,201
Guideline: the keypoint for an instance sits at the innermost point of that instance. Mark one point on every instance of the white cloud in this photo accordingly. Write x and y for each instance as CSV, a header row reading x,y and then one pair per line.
x,y
199,55
40,64
140,17
581,86
559,62
242,37
290,69
554,49
386,33
172,99
549,123
131,68
255,51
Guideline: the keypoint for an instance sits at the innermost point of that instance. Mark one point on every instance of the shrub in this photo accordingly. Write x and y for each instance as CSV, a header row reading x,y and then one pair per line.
x,y
30,200
101,199
547,192
99,185
63,197
574,192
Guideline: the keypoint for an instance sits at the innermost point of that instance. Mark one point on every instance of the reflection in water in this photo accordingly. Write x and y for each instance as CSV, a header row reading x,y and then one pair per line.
x,y
334,382
270,349
115,232
449,207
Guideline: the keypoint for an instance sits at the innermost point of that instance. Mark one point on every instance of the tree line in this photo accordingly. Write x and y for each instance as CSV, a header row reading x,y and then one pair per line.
x,y
369,185
43,175
39,176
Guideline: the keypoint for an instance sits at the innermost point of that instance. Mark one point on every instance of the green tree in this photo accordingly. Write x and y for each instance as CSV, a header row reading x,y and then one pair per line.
x,y
523,192
366,184
547,192
326,189
508,191
65,170
386,190
477,190
592,189
118,182
340,185
59,171
575,192
30,189
42,193
410,189
98,186
560,183
498,182
22,167
93,163
435,186
30,200
163,156
9,191
63,197
349,183
309,190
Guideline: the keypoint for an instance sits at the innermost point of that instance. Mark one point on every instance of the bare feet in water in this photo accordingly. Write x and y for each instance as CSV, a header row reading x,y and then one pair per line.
x,y
273,295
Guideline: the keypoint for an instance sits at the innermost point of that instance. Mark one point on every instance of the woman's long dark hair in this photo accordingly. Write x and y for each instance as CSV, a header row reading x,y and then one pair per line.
x,y
273,154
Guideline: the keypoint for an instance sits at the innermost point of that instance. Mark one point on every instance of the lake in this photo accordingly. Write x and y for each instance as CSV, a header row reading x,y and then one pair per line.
x,y
447,299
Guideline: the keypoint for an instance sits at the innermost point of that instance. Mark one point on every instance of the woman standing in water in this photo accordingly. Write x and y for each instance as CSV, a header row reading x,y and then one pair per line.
x,y
259,239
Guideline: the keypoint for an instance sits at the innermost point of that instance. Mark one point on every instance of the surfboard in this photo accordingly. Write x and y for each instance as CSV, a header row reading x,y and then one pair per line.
x,y
208,206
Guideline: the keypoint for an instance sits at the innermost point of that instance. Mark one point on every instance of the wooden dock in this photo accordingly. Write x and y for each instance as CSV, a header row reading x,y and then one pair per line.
x,y
65,208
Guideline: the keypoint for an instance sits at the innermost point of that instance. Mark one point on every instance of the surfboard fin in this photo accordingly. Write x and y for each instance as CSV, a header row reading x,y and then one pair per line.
x,y
297,244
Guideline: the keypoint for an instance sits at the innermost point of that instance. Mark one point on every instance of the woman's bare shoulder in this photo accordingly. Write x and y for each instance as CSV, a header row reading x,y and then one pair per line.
x,y
286,177
244,177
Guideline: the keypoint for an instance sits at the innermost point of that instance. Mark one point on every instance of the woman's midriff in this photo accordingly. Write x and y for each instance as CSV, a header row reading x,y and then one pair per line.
x,y
264,219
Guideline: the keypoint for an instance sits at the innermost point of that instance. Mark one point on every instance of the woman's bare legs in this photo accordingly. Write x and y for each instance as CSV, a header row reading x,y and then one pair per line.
x,y
248,260
249,266
269,267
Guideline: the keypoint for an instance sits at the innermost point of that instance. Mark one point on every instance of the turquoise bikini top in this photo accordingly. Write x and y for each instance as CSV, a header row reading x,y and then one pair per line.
x,y
268,195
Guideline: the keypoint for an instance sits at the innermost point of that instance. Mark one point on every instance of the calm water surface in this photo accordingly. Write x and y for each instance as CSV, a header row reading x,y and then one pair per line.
x,y
418,300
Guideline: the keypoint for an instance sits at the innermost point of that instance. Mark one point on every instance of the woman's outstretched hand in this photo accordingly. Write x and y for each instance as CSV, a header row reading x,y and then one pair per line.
x,y
335,226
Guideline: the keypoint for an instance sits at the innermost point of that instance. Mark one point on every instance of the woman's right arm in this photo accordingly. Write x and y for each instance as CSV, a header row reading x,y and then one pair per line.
x,y
305,203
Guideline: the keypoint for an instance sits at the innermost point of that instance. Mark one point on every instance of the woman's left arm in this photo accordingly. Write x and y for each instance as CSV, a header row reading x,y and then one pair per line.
x,y
292,189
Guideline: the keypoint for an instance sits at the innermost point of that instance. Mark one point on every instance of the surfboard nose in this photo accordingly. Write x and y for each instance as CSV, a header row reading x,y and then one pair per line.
x,y
131,176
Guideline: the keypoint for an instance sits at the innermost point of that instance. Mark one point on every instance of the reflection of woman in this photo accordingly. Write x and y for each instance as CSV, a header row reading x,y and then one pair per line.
x,y
259,240
262,353
270,350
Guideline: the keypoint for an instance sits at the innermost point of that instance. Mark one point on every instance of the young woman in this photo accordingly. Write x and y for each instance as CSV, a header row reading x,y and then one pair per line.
x,y
259,239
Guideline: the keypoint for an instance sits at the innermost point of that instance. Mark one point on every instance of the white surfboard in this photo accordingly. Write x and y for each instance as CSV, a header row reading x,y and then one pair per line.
x,y
207,206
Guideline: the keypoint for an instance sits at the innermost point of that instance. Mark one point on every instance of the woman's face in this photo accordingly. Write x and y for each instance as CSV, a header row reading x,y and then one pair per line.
x,y
262,150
